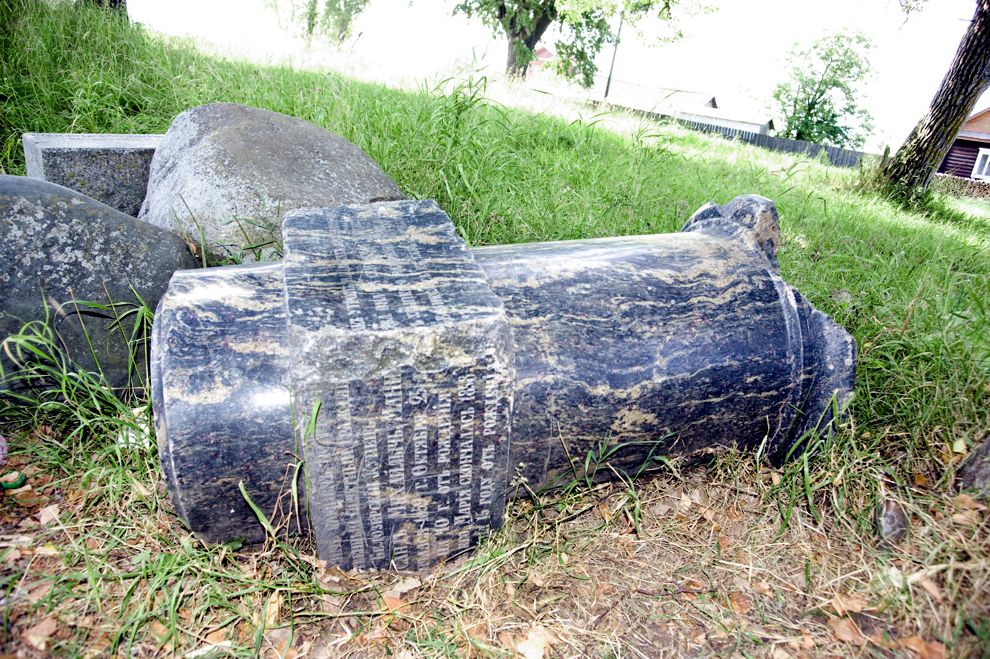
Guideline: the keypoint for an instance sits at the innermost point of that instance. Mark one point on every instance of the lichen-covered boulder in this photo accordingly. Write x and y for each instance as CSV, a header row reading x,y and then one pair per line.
x,y
59,248
226,174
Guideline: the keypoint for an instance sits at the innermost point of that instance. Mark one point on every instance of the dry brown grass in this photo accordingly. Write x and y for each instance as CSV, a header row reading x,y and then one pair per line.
x,y
694,562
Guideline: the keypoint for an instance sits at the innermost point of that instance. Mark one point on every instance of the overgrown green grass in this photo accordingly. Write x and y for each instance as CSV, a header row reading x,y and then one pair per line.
x,y
914,290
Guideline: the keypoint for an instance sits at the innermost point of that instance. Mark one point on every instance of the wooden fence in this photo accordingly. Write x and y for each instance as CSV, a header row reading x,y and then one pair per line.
x,y
837,156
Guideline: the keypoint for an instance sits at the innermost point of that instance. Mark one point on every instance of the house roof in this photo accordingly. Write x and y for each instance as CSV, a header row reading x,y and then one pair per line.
x,y
977,127
977,115
683,98
730,119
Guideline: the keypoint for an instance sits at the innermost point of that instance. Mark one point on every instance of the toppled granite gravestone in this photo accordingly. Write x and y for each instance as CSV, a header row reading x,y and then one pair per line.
x,y
59,247
419,383
225,174
112,169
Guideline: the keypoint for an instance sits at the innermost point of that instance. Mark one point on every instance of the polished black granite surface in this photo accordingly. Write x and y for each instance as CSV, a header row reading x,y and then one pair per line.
x,y
407,385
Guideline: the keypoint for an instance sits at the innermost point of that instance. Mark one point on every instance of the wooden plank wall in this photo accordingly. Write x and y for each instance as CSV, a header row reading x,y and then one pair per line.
x,y
961,158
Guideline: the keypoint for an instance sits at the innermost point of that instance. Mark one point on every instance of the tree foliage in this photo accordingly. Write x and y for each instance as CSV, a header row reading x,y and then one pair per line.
x,y
585,27
907,175
817,101
332,17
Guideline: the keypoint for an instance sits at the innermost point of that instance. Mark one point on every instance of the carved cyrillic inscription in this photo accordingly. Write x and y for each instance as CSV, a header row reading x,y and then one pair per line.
x,y
409,455
412,467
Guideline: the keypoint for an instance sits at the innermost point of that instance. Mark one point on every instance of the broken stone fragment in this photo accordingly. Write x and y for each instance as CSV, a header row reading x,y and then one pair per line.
x,y
974,475
59,248
226,174
892,524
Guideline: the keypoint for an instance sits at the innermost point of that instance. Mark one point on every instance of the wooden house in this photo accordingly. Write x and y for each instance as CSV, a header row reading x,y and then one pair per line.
x,y
969,155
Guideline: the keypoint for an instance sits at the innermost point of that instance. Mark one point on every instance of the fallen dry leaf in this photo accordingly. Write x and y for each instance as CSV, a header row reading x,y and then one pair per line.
x,y
693,584
26,496
967,502
37,636
274,608
883,640
535,579
393,604
806,642
967,518
763,588
851,603
48,514
140,489
158,629
691,588
216,636
281,642
931,588
738,603
212,650
846,631
403,586
38,593
536,643
477,631
923,649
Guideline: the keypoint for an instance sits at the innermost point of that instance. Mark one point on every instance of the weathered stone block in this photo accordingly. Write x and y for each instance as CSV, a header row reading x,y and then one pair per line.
x,y
226,174
59,248
112,169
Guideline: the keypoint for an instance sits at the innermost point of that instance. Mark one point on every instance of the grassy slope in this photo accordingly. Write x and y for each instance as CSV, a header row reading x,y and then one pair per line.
x,y
913,291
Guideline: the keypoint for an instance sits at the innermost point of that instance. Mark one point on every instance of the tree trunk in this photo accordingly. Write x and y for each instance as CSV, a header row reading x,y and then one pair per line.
x,y
910,171
116,5
521,41
513,67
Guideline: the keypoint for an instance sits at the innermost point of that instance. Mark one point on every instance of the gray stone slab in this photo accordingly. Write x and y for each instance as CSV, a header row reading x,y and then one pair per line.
x,y
112,169
974,475
58,249
226,174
